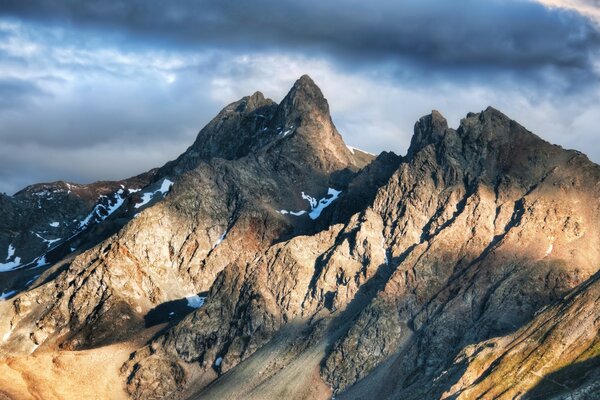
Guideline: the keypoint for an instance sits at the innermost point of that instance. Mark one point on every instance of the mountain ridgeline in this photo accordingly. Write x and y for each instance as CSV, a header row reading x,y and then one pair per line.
x,y
270,261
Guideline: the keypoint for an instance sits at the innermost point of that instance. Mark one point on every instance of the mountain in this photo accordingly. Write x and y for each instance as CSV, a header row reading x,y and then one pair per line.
x,y
270,260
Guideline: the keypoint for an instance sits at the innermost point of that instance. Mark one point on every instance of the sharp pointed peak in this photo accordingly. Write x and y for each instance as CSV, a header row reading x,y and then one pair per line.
x,y
489,112
304,98
305,81
306,88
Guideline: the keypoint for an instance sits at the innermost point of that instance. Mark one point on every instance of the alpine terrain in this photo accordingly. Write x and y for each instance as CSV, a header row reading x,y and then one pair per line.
x,y
272,261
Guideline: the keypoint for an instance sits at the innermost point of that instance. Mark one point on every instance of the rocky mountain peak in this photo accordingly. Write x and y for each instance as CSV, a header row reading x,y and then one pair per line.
x,y
304,115
429,129
304,97
486,145
299,128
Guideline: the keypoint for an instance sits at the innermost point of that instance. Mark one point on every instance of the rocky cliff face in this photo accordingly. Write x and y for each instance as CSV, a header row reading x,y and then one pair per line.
x,y
457,271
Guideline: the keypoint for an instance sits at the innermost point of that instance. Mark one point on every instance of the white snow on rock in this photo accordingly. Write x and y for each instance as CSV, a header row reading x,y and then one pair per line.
x,y
385,255
31,280
166,186
550,248
54,224
311,200
49,242
316,206
195,301
11,252
220,240
353,149
6,295
119,200
218,361
134,190
40,261
296,213
148,196
285,132
323,203
9,266
113,205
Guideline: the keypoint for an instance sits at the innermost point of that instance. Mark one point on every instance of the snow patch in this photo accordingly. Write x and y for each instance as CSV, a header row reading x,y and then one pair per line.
x,y
195,301
316,206
323,203
32,280
49,242
54,224
385,255
166,186
101,211
11,252
119,200
353,149
220,240
550,248
6,295
218,361
296,213
40,261
148,196
285,132
9,266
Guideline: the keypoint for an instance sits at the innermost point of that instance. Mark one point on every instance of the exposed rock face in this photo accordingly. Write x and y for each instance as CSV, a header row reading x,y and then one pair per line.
x,y
458,271
42,223
552,355
488,224
178,247
467,240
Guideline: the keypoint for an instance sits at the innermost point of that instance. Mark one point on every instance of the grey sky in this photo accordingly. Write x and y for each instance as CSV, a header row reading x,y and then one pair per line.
x,y
108,89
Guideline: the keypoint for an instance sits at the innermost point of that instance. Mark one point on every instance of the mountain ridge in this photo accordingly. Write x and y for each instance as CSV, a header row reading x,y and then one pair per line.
x,y
411,267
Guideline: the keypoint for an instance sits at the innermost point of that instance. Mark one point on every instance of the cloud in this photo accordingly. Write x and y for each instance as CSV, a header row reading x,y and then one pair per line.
x,y
589,8
109,89
460,36
17,92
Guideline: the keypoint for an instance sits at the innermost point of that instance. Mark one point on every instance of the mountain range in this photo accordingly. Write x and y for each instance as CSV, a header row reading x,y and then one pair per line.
x,y
270,260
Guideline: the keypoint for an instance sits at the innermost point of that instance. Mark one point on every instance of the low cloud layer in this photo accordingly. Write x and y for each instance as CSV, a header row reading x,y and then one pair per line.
x,y
107,89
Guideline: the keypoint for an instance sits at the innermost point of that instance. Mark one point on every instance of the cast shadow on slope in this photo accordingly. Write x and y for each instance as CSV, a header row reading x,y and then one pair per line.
x,y
398,372
564,382
172,311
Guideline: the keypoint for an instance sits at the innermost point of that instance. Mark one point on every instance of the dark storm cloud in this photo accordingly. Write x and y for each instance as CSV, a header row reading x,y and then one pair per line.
x,y
15,93
509,35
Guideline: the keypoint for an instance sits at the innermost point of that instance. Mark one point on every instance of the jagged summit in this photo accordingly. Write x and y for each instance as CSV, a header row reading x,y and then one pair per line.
x,y
429,129
299,127
304,97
